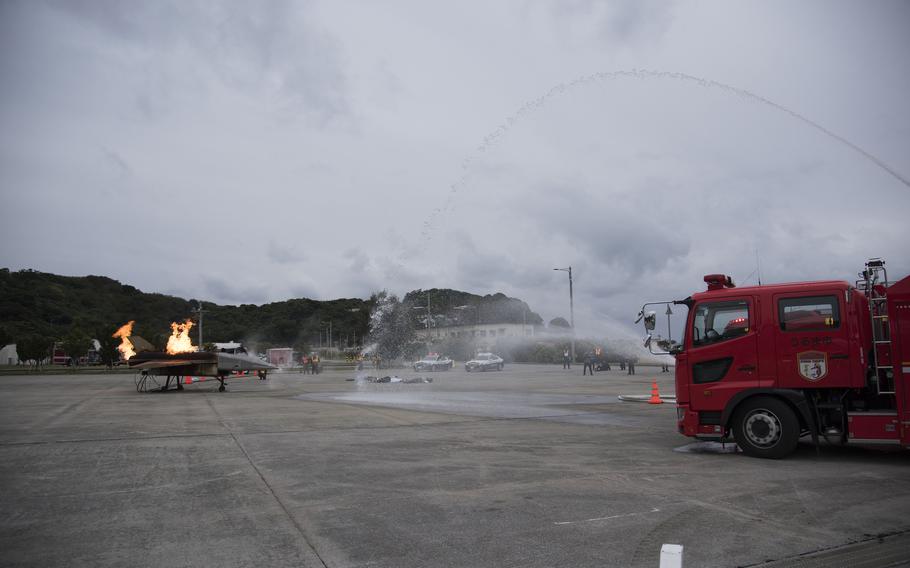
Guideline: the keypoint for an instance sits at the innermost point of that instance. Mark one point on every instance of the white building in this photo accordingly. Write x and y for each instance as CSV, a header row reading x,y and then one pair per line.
x,y
8,355
484,335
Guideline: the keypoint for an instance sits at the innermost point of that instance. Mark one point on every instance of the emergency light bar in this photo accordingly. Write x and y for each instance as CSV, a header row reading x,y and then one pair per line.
x,y
719,281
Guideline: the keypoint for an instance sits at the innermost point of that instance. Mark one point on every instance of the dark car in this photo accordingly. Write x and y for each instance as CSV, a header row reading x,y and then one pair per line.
x,y
484,362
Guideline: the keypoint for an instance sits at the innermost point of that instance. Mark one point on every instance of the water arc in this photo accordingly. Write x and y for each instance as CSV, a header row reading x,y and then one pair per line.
x,y
646,74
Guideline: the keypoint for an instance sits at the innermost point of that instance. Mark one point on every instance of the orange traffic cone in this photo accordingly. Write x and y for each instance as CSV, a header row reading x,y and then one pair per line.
x,y
655,394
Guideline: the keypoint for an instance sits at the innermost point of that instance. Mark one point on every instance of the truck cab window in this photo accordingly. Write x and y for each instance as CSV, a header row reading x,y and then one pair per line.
x,y
719,321
809,313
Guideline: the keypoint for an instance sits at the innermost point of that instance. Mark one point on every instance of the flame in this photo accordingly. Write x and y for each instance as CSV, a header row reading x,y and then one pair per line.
x,y
179,341
126,346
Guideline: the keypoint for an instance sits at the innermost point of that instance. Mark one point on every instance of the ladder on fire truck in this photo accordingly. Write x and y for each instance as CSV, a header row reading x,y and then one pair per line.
x,y
874,285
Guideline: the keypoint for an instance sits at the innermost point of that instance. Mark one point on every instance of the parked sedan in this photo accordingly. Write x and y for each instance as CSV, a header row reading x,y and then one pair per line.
x,y
484,362
434,362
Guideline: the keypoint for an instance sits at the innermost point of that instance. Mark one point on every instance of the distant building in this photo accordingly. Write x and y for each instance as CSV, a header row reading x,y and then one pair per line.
x,y
484,335
280,356
8,355
59,356
91,357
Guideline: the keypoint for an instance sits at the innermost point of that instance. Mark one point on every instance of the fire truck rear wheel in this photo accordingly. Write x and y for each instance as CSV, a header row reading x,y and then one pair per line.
x,y
766,427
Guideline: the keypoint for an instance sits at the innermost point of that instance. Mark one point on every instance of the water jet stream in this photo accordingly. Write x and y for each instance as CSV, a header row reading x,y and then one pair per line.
x,y
530,106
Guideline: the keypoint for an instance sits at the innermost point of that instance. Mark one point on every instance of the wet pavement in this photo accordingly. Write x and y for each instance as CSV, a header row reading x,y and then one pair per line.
x,y
531,466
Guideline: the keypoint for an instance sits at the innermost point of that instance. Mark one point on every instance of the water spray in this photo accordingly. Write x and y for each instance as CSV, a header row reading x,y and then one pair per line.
x,y
644,74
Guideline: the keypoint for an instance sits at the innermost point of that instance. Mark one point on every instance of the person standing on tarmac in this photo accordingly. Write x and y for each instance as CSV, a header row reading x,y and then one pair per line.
x,y
589,364
566,360
631,366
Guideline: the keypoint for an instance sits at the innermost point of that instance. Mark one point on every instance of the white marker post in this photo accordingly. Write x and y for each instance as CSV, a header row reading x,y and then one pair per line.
x,y
671,556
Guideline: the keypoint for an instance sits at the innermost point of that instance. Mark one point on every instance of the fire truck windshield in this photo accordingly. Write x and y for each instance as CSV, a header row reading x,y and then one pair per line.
x,y
719,321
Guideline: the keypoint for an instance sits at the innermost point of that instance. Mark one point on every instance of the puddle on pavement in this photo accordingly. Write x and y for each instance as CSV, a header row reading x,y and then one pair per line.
x,y
557,407
708,448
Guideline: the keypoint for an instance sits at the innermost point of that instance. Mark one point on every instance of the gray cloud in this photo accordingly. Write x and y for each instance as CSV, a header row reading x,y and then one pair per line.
x,y
228,292
267,47
281,253
117,161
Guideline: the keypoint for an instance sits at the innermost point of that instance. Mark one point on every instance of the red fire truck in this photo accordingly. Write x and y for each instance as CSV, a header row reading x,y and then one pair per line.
x,y
771,364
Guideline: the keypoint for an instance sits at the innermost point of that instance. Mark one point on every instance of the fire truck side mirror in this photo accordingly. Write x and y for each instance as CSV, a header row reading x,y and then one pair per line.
x,y
650,321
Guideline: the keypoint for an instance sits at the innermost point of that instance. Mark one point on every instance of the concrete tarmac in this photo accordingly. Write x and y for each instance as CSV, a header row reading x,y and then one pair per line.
x,y
532,466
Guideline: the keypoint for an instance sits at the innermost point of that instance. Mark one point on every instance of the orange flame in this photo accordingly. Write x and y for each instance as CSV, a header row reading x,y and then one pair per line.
x,y
179,341
126,346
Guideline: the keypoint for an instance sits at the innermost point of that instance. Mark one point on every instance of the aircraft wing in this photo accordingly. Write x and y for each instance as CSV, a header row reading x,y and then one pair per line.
x,y
163,363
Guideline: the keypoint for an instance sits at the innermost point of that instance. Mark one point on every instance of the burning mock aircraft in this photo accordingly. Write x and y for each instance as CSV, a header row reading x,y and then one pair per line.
x,y
183,359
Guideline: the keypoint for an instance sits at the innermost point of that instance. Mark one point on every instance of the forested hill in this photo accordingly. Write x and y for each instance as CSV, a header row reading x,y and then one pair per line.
x,y
453,307
35,303
48,305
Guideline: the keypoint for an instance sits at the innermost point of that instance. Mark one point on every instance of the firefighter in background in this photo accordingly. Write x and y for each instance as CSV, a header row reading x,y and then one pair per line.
x,y
600,362
589,363
566,360
314,364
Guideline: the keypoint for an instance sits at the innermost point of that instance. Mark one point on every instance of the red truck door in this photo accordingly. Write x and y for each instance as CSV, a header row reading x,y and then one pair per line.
x,y
813,342
722,357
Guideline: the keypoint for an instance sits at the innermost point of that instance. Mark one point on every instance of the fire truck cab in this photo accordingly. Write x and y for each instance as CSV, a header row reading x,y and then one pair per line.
x,y
770,364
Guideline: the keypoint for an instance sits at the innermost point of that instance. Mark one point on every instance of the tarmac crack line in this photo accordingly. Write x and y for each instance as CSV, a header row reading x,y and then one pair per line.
x,y
654,510
271,490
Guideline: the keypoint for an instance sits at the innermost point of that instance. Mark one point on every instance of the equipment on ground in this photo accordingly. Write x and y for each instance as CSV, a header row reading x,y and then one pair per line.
x,y
152,365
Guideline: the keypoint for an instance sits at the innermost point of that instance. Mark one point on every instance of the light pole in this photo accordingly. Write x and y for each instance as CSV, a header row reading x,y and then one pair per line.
x,y
329,331
427,308
473,328
354,332
669,313
429,316
571,308
200,311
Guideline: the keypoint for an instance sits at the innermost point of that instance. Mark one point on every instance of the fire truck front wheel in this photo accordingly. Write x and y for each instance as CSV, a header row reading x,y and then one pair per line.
x,y
766,427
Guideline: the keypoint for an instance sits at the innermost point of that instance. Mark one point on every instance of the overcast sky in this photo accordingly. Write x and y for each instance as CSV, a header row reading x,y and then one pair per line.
x,y
248,152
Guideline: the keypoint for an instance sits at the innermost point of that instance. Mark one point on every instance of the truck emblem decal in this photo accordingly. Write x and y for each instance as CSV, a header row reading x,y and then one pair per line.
x,y
813,365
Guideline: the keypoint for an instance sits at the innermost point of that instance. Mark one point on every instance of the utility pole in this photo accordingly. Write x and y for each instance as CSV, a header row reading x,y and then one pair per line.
x,y
571,308
200,311
328,333
429,315
669,313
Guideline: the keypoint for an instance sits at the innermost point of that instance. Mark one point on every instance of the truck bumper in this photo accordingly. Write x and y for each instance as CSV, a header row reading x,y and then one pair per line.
x,y
687,422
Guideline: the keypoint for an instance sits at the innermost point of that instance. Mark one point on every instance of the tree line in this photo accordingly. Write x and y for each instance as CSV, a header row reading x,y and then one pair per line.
x,y
39,310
